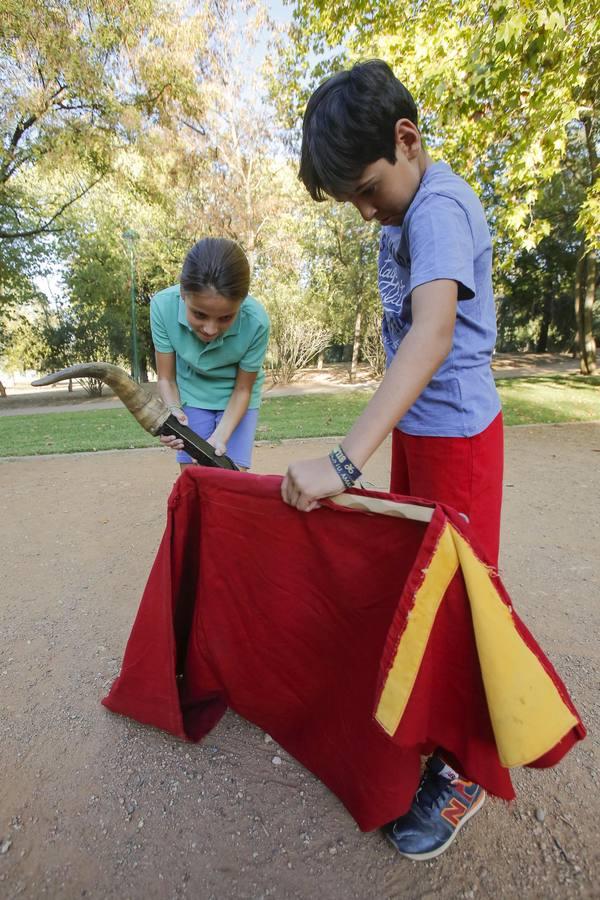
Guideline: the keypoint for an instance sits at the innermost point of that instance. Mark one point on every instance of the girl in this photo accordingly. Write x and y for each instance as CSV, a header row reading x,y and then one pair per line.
x,y
210,339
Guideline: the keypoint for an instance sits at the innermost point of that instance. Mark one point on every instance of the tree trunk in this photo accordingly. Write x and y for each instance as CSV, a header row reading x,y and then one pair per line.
x,y
578,297
2,390
586,296
143,364
320,359
356,343
587,286
542,341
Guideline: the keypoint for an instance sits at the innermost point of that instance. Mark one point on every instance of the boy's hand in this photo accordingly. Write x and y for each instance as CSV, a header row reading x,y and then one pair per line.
x,y
307,481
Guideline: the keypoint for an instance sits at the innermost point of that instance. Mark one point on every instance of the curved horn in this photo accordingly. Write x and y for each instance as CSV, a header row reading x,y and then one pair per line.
x,y
149,410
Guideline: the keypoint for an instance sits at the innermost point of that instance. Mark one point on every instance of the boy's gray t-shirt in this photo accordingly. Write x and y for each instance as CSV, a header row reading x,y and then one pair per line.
x,y
444,235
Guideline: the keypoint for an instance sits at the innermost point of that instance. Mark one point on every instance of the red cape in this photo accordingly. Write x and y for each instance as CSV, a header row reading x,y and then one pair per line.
x,y
359,640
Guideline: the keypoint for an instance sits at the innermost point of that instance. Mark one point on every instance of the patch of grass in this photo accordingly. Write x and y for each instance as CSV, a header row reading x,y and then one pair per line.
x,y
546,399
71,432
311,415
538,399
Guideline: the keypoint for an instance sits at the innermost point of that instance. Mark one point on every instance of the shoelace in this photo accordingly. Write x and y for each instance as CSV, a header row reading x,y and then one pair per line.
x,y
431,789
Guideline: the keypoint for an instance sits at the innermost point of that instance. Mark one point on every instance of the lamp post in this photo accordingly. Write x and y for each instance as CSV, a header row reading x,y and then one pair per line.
x,y
130,237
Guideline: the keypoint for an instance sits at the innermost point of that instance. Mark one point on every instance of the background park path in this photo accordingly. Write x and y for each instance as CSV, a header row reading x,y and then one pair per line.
x,y
330,379
94,805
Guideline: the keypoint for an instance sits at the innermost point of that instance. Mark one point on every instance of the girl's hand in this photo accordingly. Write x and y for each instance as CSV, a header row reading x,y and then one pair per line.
x,y
169,440
307,481
218,443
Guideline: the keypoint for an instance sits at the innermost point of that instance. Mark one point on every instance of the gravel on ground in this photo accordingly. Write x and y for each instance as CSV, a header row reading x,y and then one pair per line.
x,y
94,805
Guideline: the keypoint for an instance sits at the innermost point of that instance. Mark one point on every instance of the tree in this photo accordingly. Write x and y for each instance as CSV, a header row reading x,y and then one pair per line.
x,y
96,263
340,259
81,81
232,172
499,86
373,349
536,288
297,337
18,269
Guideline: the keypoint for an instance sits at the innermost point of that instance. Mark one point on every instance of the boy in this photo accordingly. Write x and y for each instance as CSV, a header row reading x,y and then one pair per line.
x,y
361,144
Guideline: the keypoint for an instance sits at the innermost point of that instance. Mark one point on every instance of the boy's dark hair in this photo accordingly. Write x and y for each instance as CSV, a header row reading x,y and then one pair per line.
x,y
219,265
348,124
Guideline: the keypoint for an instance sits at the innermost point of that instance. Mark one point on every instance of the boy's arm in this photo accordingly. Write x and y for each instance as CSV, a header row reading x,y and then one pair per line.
x,y
419,356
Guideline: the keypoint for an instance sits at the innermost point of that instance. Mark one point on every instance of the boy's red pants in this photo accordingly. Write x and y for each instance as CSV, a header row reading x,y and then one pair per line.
x,y
465,473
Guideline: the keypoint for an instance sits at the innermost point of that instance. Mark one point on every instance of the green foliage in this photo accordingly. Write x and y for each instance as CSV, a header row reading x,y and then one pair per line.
x,y
535,291
509,95
17,288
497,84
82,82
97,282
340,267
142,116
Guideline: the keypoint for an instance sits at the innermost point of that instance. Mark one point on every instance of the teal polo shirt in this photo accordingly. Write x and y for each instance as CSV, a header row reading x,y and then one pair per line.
x,y
206,373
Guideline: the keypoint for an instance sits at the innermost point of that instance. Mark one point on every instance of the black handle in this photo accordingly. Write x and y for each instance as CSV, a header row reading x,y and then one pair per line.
x,y
197,447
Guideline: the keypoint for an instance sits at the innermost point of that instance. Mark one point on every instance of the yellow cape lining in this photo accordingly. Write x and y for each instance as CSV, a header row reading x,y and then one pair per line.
x,y
528,715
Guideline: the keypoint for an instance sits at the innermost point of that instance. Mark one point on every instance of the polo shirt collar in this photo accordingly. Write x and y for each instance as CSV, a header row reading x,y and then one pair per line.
x,y
181,316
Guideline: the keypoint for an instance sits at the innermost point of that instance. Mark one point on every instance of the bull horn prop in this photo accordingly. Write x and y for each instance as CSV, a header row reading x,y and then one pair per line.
x,y
149,410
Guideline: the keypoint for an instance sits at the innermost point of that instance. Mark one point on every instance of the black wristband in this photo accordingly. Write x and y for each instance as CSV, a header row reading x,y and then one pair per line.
x,y
346,469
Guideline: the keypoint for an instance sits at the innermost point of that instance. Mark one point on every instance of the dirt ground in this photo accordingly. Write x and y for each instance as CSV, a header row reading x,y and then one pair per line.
x,y
94,805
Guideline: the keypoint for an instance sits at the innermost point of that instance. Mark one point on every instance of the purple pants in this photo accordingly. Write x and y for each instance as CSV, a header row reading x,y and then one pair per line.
x,y
239,445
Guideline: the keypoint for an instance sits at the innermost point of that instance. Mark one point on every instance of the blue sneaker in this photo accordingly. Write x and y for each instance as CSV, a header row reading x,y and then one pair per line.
x,y
441,807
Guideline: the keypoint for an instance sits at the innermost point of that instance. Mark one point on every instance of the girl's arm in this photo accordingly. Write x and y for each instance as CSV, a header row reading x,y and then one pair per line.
x,y
236,409
419,356
168,390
